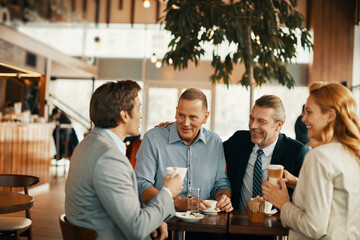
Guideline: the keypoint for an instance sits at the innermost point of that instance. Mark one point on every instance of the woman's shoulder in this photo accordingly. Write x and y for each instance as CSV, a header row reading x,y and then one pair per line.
x,y
333,152
333,145
328,149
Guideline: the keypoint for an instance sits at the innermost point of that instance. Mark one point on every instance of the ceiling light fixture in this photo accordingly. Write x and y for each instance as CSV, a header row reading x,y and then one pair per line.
x,y
158,64
146,3
97,42
153,58
175,6
17,75
23,72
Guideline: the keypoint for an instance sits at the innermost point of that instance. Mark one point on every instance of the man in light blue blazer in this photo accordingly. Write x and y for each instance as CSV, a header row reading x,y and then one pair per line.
x,y
101,189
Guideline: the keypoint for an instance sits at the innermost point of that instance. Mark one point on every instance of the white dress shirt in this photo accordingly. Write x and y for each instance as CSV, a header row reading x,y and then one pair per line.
x,y
247,187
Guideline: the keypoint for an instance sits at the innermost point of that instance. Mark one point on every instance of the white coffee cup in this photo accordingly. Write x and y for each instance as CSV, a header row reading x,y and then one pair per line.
x,y
174,170
212,204
268,207
17,108
275,172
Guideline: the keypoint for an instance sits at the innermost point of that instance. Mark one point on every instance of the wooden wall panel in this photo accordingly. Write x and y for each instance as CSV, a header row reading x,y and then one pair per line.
x,y
141,14
332,23
25,149
117,15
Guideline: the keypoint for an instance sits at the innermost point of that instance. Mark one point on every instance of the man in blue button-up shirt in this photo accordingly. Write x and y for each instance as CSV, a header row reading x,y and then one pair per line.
x,y
185,144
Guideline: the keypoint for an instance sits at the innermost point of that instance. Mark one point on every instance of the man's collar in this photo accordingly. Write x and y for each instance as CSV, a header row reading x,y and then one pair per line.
x,y
174,135
269,149
120,144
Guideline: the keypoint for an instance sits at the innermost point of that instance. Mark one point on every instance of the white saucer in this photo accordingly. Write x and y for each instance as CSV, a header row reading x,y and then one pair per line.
x,y
271,212
190,218
210,211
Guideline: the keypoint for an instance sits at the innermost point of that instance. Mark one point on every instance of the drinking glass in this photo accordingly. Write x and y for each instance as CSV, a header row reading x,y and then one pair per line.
x,y
193,199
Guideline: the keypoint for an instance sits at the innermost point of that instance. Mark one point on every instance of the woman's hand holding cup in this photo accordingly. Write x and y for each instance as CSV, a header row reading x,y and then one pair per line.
x,y
290,179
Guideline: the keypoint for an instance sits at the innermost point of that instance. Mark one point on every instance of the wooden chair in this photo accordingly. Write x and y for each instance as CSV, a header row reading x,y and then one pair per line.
x,y
131,151
72,232
16,227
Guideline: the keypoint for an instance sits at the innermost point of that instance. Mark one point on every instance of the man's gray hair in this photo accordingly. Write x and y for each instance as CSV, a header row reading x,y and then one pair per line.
x,y
274,102
194,94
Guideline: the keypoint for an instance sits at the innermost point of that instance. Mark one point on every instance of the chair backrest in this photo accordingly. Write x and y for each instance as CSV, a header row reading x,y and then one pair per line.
x,y
131,151
15,180
72,232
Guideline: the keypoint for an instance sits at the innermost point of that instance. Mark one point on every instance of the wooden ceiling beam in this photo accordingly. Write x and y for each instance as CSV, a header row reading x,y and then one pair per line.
x,y
132,13
108,8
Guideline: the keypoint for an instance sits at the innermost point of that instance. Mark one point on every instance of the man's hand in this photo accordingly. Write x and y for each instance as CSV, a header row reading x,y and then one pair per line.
x,y
290,179
204,205
180,203
277,196
164,124
224,203
161,233
174,184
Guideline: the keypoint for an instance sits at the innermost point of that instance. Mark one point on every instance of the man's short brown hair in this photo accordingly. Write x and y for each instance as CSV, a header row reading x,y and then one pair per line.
x,y
194,94
110,99
274,102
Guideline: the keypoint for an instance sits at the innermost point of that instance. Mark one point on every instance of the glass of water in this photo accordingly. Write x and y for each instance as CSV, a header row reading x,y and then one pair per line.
x,y
193,199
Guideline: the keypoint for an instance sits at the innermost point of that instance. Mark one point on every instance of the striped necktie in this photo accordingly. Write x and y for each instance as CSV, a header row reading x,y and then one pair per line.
x,y
257,177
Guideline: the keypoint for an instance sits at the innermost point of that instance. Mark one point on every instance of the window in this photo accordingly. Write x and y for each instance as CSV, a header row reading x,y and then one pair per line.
x,y
75,95
230,112
161,98
232,107
161,105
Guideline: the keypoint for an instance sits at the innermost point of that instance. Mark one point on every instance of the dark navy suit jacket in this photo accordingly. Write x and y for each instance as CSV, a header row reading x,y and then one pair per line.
x,y
288,152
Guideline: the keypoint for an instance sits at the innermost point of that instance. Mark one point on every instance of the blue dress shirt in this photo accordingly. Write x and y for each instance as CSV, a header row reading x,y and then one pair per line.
x,y
122,147
162,147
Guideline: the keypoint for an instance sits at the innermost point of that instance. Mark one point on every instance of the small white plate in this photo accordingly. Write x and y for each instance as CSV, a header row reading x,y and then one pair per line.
x,y
189,218
210,211
271,212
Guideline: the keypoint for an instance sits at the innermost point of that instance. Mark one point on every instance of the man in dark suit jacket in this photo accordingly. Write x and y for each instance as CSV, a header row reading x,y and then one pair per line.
x,y
300,129
266,120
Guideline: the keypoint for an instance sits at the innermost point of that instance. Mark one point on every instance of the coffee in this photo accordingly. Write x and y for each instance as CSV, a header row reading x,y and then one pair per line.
x,y
275,172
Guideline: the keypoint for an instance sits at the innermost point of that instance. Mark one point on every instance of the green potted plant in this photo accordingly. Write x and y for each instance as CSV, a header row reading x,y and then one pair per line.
x,y
265,34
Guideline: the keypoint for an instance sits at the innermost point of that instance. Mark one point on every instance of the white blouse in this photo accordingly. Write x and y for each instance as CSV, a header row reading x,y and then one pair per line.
x,y
326,201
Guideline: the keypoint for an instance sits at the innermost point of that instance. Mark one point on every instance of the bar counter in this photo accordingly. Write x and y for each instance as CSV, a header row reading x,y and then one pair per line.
x,y
26,149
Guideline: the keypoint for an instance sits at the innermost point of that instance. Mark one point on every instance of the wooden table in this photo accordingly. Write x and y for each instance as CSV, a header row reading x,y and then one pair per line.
x,y
235,222
14,202
239,224
210,224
